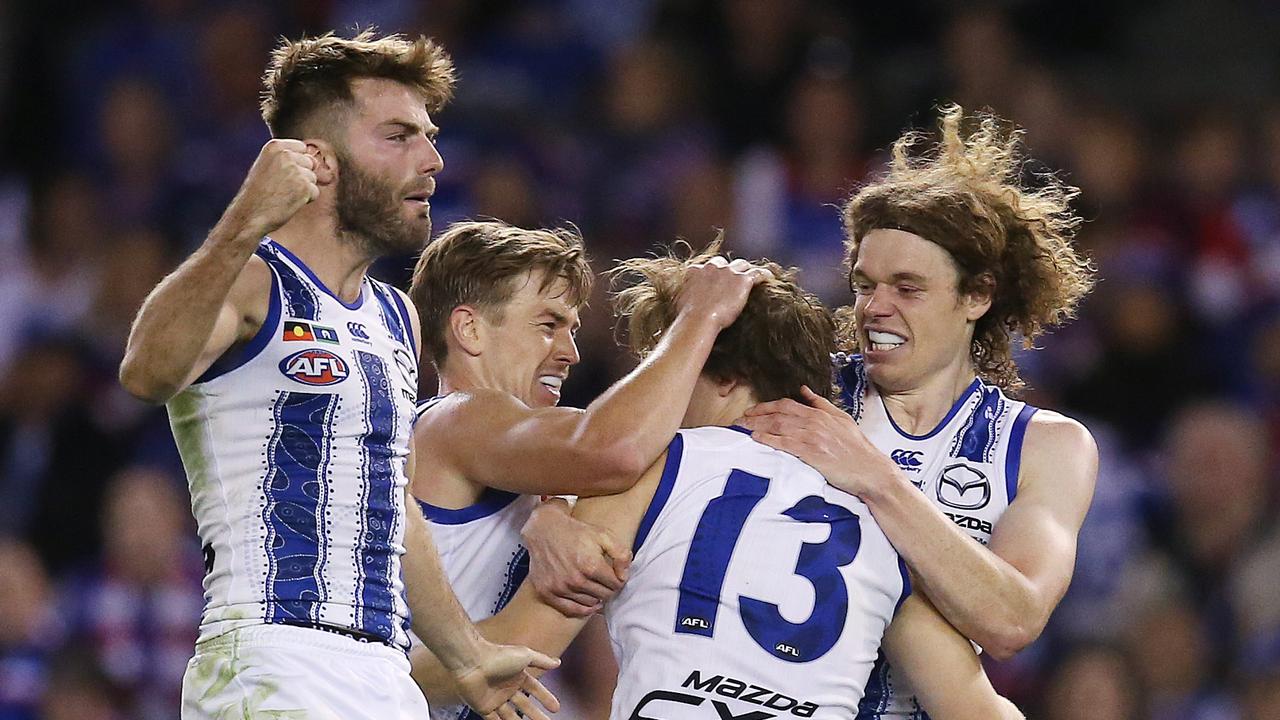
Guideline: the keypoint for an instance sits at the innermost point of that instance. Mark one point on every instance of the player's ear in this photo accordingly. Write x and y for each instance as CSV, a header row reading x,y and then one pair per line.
x,y
325,158
725,387
978,301
466,330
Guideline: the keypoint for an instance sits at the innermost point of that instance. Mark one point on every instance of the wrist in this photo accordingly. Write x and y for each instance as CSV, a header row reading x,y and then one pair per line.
x,y
885,488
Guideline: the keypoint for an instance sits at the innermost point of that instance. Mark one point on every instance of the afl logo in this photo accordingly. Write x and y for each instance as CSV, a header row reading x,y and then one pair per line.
x,y
314,367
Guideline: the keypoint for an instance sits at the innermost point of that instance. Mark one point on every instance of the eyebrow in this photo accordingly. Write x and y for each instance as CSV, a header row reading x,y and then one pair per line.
x,y
896,277
562,319
414,128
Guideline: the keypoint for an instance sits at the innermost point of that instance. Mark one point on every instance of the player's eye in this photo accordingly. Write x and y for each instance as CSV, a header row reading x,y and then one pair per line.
x,y
398,138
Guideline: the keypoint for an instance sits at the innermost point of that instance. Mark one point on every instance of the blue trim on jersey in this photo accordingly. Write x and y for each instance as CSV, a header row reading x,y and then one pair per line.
x,y
492,500
1013,456
374,553
877,693
662,493
851,390
977,439
303,266
517,571
955,408
229,361
906,584
392,320
738,428
408,322
295,497
299,300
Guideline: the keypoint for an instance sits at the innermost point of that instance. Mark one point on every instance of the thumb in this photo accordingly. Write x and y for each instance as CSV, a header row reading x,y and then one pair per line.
x,y
619,554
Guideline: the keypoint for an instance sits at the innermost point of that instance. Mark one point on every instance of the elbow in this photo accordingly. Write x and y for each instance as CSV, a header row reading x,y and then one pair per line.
x,y
1004,642
143,385
618,467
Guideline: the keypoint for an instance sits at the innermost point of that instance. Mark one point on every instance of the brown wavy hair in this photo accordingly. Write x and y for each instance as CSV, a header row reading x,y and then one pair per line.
x,y
780,342
477,262
966,193
313,75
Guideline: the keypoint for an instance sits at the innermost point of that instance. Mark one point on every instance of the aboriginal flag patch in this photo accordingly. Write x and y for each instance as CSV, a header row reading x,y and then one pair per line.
x,y
295,331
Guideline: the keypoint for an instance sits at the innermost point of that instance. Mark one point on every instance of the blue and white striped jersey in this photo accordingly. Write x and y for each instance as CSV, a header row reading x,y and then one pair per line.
x,y
757,589
295,448
968,466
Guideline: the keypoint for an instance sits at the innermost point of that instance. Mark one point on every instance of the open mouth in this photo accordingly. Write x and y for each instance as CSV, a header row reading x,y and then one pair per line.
x,y
881,341
552,383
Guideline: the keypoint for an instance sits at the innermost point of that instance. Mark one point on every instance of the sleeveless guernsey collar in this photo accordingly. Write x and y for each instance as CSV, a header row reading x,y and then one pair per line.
x,y
969,392
303,266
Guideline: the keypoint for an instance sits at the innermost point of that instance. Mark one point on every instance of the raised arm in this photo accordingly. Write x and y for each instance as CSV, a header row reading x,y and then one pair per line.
x,y
942,666
218,296
496,441
1001,596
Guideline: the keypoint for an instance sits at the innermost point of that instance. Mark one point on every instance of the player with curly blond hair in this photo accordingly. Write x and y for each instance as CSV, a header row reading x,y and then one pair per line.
x,y
952,258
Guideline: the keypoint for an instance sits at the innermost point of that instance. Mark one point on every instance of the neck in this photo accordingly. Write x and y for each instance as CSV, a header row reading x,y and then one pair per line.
x,y
920,408
463,375
339,263
731,412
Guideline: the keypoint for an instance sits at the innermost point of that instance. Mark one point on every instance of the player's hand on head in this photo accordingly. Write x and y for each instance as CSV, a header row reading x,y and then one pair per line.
x,y
824,437
504,683
574,567
281,181
717,289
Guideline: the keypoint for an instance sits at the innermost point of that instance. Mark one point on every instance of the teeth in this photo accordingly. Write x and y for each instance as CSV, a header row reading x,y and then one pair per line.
x,y
551,381
885,338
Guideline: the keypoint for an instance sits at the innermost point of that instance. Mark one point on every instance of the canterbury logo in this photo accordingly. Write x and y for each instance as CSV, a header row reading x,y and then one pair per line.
x,y
907,458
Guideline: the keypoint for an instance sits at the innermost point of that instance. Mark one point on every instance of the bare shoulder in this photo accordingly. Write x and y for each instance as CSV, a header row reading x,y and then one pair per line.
x,y
466,412
1058,455
1054,433
251,292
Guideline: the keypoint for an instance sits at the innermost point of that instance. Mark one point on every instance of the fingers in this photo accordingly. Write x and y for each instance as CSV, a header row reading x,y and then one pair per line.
x,y
535,689
527,708
580,606
507,711
543,662
785,406
821,403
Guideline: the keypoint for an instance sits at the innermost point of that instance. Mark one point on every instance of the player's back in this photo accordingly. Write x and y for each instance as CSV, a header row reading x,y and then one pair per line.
x,y
756,587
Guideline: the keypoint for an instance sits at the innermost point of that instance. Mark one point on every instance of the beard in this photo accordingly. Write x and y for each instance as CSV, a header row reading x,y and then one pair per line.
x,y
371,213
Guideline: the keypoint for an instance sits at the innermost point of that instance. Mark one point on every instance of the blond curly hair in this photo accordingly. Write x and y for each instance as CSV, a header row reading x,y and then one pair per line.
x,y
966,193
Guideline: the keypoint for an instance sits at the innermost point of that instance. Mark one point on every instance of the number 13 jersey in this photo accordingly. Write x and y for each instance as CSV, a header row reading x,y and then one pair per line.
x,y
757,590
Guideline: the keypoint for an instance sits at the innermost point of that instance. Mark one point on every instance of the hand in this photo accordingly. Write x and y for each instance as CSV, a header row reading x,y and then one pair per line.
x,y
501,684
825,438
280,182
718,289
575,567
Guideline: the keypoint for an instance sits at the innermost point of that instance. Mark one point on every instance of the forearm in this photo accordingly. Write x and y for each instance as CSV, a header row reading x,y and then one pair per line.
x,y
175,323
983,596
639,414
438,618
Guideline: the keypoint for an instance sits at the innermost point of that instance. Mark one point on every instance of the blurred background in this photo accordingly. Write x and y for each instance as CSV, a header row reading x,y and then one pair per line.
x,y
126,127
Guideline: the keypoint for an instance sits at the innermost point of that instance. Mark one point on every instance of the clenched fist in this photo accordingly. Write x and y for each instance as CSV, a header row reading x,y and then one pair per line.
x,y
281,181
718,289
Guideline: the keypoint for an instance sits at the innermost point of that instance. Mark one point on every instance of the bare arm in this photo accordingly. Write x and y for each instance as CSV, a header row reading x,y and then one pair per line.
x,y
1000,597
527,619
942,667
217,296
484,675
495,440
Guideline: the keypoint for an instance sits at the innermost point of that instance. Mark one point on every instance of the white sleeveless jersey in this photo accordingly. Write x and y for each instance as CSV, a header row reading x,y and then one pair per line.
x,y
967,466
295,448
757,589
482,555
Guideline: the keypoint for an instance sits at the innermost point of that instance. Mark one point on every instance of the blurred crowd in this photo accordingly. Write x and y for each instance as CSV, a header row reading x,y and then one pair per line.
x,y
126,127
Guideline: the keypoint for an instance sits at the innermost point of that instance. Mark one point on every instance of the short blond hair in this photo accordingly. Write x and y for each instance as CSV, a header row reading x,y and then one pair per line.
x,y
315,73
477,262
